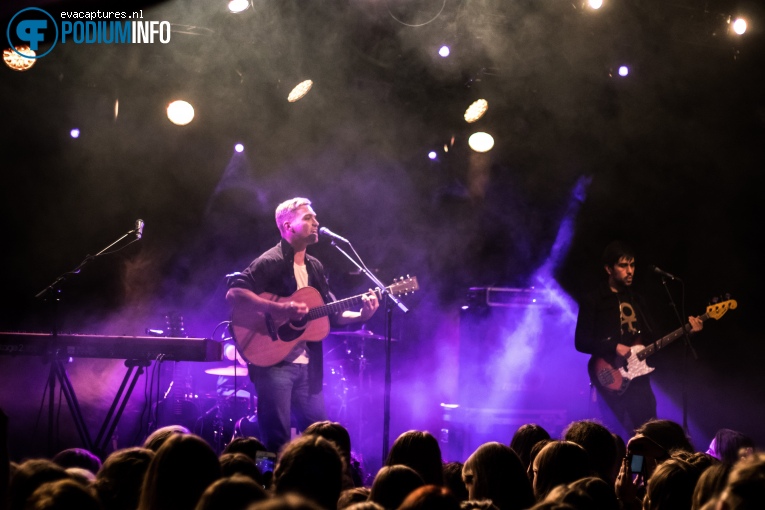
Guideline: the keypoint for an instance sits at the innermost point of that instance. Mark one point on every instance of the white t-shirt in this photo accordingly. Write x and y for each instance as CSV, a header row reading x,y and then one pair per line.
x,y
299,353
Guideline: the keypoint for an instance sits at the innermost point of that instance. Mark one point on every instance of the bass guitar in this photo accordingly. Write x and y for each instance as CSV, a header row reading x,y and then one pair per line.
x,y
264,340
617,379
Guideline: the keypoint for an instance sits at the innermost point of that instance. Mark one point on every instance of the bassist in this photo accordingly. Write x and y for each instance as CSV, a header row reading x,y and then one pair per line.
x,y
293,385
611,319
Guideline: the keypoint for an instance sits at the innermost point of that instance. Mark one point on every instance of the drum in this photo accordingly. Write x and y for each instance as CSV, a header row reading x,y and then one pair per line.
x,y
217,424
176,411
246,426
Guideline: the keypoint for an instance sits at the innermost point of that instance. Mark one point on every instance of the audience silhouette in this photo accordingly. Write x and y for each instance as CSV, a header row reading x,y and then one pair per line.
x,y
178,470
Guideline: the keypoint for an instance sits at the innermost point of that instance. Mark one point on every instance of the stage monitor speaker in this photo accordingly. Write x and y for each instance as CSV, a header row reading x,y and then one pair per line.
x,y
501,340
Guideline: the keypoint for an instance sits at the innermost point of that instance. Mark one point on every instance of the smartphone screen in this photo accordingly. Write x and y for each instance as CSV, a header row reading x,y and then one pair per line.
x,y
265,461
636,463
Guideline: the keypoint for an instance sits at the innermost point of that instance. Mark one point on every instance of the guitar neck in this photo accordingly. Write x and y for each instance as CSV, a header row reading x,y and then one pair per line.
x,y
355,302
667,339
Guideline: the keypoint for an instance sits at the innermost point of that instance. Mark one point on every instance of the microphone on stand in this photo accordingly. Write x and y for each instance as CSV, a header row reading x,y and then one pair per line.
x,y
663,273
327,232
138,228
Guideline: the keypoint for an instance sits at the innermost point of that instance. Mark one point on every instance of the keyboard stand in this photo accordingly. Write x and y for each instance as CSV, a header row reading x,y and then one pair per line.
x,y
135,368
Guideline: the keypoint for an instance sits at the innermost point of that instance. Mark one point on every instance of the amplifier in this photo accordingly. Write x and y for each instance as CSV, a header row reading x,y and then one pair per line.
x,y
508,297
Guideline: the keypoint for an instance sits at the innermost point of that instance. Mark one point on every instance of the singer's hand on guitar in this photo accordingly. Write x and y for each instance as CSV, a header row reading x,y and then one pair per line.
x,y
294,310
370,303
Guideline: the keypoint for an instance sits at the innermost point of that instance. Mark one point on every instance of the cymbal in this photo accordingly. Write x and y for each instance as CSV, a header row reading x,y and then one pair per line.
x,y
230,393
361,333
233,370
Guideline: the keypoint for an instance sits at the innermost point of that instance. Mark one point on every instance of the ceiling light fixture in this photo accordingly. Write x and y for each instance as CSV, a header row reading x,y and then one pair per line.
x,y
300,90
15,61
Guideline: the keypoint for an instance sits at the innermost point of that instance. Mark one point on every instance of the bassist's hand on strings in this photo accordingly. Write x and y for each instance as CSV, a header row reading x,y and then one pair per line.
x,y
623,350
696,324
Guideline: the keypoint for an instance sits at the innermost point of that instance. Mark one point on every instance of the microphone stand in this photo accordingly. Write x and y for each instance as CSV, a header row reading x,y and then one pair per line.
x,y
389,300
688,348
51,294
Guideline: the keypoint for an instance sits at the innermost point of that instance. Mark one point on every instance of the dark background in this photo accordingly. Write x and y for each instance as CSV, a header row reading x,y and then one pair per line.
x,y
669,159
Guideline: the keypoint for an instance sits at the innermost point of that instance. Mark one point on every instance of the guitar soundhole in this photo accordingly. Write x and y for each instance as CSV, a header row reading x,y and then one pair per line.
x,y
292,330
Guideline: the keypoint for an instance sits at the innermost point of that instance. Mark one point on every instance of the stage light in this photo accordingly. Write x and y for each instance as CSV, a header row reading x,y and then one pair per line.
x,y
595,4
444,51
16,61
300,90
739,26
624,71
476,110
238,5
180,112
74,133
481,142
239,147
432,154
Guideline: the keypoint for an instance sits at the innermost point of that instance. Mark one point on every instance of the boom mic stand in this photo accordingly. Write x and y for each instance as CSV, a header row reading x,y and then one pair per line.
x,y
390,299
688,348
57,372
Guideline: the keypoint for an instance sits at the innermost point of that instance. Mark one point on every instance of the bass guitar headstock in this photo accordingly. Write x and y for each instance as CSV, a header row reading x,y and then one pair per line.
x,y
718,308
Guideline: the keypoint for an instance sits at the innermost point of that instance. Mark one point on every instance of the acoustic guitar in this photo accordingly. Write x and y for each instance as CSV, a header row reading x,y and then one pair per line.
x,y
264,340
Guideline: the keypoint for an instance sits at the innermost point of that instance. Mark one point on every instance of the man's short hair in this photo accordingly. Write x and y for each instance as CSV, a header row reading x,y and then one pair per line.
x,y
615,251
286,210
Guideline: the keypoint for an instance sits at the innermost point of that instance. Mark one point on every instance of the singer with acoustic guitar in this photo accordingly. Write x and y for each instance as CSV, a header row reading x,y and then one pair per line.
x,y
612,320
272,302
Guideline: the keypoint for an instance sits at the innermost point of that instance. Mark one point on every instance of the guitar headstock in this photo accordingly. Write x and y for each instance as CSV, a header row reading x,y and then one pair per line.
x,y
717,310
404,285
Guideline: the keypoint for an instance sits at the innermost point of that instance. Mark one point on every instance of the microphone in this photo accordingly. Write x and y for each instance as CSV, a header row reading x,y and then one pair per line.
x,y
327,232
661,272
138,229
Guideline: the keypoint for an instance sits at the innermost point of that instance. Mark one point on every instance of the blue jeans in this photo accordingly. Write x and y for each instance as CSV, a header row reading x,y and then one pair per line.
x,y
283,391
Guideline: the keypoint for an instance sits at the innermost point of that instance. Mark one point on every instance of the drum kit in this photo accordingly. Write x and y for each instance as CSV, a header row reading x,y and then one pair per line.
x,y
232,410
348,378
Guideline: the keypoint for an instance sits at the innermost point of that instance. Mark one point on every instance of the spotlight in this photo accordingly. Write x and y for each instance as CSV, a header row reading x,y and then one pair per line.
x,y
476,110
432,154
595,4
739,26
239,147
300,90
624,71
16,61
238,5
74,133
481,142
444,51
180,112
